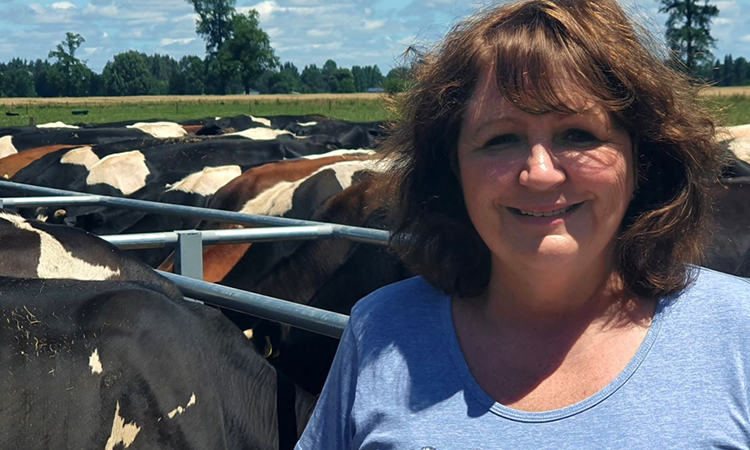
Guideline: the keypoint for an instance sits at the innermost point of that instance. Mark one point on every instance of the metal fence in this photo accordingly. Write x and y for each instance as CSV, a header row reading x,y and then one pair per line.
x,y
188,246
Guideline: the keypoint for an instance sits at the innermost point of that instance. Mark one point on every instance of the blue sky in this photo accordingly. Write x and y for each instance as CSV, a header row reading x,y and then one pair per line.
x,y
351,32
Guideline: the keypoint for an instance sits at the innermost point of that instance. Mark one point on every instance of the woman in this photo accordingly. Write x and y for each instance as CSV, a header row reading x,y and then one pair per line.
x,y
551,177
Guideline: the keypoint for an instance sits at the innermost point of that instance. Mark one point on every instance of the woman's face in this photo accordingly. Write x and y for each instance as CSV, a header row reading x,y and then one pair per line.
x,y
543,190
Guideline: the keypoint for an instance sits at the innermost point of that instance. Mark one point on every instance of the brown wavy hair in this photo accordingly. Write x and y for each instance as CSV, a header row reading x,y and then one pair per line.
x,y
595,46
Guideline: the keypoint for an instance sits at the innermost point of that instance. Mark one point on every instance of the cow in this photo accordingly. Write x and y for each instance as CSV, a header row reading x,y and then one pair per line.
x,y
34,249
328,274
11,164
349,134
729,247
33,137
61,169
268,190
189,126
223,125
111,364
57,124
152,173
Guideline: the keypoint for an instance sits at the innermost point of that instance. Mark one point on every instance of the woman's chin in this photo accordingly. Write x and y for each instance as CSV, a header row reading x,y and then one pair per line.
x,y
549,252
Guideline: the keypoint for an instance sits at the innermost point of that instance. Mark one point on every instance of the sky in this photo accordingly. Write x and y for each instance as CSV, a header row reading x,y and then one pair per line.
x,y
351,32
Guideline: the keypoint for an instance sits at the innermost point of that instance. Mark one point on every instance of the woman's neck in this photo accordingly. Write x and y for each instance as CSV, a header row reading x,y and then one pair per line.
x,y
569,296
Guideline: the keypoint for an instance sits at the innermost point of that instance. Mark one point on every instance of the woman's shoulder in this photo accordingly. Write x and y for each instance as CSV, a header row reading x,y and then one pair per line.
x,y
400,302
403,296
712,286
713,299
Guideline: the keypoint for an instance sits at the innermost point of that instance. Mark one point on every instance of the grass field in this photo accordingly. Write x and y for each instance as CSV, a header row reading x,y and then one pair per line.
x,y
732,110
355,107
732,105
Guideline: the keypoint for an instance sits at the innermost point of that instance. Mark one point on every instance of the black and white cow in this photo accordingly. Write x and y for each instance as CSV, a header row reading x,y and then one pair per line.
x,y
114,365
34,249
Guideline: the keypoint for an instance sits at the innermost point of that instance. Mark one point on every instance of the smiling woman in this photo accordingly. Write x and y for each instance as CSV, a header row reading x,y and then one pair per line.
x,y
551,186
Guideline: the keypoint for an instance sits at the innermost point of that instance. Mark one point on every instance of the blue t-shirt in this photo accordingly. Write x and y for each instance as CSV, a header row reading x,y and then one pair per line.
x,y
400,381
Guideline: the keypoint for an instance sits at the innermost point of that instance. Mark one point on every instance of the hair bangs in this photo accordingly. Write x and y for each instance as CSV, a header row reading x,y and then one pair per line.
x,y
542,66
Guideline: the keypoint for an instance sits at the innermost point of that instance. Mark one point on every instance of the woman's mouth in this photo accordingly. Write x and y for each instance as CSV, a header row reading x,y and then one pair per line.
x,y
556,212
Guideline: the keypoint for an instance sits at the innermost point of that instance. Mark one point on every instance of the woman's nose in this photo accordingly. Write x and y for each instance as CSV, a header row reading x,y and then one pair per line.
x,y
541,171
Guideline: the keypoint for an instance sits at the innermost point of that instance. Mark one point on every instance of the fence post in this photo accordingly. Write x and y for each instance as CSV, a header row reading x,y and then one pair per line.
x,y
189,254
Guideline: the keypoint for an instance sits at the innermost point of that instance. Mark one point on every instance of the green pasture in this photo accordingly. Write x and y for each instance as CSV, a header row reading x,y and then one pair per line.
x,y
731,110
351,109
734,110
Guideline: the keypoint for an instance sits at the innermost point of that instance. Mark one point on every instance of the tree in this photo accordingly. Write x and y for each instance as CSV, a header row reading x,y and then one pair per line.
x,y
360,84
312,80
263,82
162,69
328,69
17,82
689,31
726,72
367,77
127,74
214,22
69,76
190,77
248,52
397,79
341,81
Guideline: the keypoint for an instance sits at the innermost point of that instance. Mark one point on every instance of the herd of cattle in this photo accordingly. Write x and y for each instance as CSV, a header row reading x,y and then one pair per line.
x,y
125,360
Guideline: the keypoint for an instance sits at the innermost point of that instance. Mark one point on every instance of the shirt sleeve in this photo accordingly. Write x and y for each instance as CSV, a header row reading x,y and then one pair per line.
x,y
330,426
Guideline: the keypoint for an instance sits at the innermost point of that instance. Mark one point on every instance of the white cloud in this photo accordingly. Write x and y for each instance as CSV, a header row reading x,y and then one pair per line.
x,y
63,5
166,41
315,32
265,9
745,38
370,25
275,32
37,8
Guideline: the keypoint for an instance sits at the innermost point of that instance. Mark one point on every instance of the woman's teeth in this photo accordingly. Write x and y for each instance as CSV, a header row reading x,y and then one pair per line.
x,y
556,212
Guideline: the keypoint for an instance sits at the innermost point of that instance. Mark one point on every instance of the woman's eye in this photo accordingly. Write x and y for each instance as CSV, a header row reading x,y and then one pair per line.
x,y
502,140
580,136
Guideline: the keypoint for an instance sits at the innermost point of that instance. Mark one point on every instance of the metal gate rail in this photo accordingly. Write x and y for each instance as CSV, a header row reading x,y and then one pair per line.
x,y
64,197
301,316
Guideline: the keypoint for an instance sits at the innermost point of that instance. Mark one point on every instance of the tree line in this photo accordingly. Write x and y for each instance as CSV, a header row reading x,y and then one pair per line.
x,y
63,74
731,72
239,59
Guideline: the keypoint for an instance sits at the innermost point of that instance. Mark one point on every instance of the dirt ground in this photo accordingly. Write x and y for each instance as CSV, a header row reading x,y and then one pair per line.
x,y
717,91
729,91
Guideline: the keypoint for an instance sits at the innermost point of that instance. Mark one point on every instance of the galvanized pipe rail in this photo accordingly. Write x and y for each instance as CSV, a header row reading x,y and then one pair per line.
x,y
301,316
61,197
137,241
189,243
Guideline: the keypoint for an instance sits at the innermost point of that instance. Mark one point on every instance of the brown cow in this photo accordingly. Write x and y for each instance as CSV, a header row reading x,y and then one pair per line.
x,y
17,161
260,191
